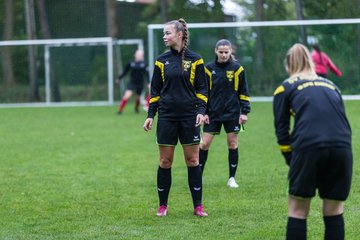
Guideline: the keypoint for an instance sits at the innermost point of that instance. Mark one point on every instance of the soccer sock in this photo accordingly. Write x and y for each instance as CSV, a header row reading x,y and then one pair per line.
x,y
233,161
122,104
137,103
334,227
195,184
296,229
163,184
203,155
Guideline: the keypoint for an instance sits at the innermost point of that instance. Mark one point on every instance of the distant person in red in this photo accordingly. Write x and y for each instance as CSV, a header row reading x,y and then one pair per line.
x,y
323,62
138,75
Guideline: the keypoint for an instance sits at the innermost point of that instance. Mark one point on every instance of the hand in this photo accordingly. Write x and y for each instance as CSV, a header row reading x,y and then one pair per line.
x,y
206,119
199,120
148,124
243,119
287,156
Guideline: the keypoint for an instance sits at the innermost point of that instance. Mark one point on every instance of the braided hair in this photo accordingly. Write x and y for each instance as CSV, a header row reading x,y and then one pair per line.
x,y
180,26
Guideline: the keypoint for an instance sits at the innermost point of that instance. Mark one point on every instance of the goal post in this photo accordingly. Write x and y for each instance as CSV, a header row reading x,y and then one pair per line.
x,y
107,42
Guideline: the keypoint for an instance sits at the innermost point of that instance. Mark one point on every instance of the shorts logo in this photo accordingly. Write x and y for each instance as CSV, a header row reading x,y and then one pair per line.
x,y
196,138
197,188
237,128
186,65
230,75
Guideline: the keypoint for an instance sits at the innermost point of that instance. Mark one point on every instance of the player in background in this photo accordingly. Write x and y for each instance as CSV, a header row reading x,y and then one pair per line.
x,y
323,62
228,105
317,147
179,96
138,75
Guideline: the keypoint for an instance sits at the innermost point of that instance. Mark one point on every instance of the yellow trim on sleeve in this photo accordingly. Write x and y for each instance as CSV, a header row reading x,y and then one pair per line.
x,y
245,98
202,97
207,71
285,148
237,74
154,99
278,90
193,69
161,66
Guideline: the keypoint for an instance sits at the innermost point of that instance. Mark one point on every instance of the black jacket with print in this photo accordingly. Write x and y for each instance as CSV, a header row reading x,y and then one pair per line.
x,y
178,87
318,111
228,91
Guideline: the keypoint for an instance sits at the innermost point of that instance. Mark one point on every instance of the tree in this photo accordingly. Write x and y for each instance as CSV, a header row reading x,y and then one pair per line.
x,y
31,34
7,63
45,30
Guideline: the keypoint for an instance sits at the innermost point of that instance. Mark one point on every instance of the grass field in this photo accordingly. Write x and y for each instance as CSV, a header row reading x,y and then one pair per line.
x,y
87,173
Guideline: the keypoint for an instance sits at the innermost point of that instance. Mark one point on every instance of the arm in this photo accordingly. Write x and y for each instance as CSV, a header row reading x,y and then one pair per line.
x,y
126,70
156,86
201,86
332,66
243,92
281,110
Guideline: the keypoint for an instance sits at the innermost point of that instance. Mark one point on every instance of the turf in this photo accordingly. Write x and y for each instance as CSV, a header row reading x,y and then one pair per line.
x,y
87,173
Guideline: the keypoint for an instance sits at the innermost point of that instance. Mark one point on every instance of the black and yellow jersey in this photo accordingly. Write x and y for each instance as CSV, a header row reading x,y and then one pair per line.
x,y
228,91
178,86
318,111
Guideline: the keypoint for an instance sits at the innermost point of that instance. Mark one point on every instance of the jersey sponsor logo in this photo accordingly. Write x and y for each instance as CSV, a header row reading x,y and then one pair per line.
x,y
197,188
186,65
230,75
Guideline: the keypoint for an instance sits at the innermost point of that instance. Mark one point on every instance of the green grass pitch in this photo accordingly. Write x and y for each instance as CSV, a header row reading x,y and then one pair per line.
x,y
87,173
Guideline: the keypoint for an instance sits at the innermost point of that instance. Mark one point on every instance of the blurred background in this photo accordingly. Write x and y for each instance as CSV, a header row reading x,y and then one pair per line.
x,y
78,72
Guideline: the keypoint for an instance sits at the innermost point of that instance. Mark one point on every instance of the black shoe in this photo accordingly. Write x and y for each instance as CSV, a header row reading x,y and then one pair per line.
x,y
136,110
119,113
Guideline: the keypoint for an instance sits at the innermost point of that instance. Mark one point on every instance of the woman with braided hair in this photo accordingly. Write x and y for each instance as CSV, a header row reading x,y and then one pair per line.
x,y
179,96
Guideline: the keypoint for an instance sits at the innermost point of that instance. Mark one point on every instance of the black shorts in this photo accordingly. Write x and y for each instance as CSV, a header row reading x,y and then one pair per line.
x,y
168,132
327,169
214,127
134,87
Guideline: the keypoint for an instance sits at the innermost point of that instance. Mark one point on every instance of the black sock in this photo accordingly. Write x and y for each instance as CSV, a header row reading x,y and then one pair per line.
x,y
233,161
163,184
203,155
334,227
195,184
296,229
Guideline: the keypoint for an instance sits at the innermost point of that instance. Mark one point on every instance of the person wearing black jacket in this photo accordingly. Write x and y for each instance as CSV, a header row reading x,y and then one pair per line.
x,y
179,96
317,147
229,104
138,75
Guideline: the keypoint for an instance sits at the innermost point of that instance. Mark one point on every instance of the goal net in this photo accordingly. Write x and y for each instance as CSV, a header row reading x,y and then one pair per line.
x,y
261,47
73,72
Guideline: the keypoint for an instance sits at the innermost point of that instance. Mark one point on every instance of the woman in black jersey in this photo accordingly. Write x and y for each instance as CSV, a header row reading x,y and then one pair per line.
x,y
317,148
179,96
138,75
228,105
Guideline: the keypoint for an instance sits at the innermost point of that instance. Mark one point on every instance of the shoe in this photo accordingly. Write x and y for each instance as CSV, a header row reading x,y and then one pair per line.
x,y
199,211
162,211
231,183
119,112
136,110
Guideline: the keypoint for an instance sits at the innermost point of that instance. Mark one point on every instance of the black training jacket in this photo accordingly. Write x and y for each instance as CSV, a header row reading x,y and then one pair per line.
x,y
178,87
139,72
228,91
318,111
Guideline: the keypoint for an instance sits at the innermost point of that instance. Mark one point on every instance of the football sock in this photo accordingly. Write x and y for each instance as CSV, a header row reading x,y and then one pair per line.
x,y
233,161
195,184
296,229
122,104
163,184
334,227
203,155
137,103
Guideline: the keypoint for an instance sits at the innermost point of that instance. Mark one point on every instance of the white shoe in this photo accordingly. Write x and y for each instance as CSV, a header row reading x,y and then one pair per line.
x,y
232,183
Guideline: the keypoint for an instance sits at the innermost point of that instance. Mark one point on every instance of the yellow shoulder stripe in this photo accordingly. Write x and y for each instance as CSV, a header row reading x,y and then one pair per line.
x,y
280,89
161,66
202,97
154,99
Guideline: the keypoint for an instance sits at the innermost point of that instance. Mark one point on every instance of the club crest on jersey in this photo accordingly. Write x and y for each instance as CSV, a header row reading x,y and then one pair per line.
x,y
186,65
230,75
